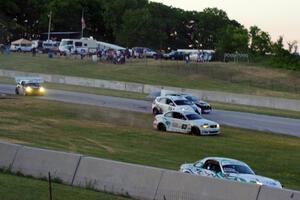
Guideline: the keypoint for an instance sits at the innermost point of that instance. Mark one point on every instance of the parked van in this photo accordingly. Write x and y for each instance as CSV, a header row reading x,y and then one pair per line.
x,y
78,46
50,45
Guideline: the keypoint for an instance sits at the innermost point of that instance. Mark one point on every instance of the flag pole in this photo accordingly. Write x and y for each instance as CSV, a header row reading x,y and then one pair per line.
x,y
82,19
49,26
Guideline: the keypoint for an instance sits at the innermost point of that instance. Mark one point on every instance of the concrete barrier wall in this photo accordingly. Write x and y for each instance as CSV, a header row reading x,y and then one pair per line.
x,y
136,181
38,162
7,154
179,186
269,102
267,193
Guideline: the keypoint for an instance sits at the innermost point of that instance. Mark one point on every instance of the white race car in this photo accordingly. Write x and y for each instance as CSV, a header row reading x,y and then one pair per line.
x,y
229,169
185,122
29,86
164,104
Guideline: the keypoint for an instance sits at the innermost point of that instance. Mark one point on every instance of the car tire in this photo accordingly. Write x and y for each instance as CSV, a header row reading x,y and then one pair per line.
x,y
161,127
17,91
155,111
195,131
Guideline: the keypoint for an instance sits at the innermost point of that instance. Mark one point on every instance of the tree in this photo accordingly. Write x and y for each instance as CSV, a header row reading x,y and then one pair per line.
x,y
233,39
260,41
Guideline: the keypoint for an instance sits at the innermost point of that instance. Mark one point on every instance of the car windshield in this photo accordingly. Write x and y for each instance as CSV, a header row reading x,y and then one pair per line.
x,y
193,117
33,84
183,102
237,169
191,98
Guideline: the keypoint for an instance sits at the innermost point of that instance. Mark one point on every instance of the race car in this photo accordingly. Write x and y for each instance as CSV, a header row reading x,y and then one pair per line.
x,y
164,104
229,169
29,86
185,122
205,107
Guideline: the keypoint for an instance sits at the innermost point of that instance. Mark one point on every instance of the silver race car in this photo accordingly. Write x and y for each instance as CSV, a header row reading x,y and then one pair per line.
x,y
164,104
229,169
185,122
29,86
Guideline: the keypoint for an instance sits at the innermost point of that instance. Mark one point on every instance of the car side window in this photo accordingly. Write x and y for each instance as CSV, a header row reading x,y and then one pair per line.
x,y
169,114
177,115
169,101
212,166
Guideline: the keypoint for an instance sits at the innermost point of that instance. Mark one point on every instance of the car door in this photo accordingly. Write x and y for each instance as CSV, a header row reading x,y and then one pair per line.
x,y
177,121
170,105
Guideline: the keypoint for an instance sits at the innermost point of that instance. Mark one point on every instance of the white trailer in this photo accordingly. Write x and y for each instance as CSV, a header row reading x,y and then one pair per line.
x,y
78,46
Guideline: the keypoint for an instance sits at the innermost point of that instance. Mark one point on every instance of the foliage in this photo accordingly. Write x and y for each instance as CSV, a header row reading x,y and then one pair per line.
x,y
142,23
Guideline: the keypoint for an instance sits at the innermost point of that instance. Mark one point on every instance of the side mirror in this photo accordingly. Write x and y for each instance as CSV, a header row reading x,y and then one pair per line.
x,y
171,104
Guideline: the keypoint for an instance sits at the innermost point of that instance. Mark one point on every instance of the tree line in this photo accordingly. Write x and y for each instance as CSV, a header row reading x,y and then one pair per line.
x,y
139,23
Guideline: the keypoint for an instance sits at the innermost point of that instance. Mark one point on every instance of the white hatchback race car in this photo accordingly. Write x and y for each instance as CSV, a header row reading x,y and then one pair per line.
x,y
185,122
229,169
164,104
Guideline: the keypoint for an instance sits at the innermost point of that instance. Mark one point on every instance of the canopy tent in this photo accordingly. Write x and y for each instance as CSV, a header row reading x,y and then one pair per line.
x,y
22,41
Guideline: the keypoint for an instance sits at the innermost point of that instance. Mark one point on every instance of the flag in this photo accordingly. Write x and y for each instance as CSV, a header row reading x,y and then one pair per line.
x,y
82,23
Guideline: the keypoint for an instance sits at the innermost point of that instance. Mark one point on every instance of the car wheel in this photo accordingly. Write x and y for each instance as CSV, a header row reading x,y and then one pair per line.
x,y
16,91
195,131
161,127
155,111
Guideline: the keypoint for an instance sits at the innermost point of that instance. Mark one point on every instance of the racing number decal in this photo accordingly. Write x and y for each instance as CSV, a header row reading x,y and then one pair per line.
x,y
184,126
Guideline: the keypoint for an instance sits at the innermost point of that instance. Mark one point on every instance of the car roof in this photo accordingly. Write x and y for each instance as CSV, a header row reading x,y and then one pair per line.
x,y
174,98
226,161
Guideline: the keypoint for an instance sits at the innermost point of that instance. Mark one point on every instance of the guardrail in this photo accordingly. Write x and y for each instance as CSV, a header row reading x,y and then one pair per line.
x,y
260,101
136,181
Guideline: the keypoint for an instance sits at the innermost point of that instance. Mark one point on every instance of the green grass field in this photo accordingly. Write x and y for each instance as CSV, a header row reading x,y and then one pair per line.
x,y
22,188
129,137
229,77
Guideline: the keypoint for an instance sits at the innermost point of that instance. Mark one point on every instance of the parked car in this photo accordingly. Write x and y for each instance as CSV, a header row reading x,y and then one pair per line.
x,y
174,55
185,122
29,86
229,169
21,47
164,104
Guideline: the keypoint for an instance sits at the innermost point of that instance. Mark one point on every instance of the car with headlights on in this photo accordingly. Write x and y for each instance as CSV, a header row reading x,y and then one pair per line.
x,y
164,104
229,169
29,86
185,122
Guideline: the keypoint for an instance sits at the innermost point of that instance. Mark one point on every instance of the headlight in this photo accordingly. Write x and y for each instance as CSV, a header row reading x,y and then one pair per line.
x,y
205,126
42,89
28,89
218,126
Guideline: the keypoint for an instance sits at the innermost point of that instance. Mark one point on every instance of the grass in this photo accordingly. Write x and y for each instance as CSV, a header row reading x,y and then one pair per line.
x,y
23,188
129,137
135,95
228,77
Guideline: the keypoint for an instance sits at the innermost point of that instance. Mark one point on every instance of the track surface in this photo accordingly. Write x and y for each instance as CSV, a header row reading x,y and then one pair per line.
x,y
236,119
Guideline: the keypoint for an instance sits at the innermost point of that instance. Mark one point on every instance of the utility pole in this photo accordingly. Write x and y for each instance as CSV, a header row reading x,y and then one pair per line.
x,y
49,26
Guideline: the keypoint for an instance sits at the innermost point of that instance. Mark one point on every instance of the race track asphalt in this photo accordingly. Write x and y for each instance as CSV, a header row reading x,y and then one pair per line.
x,y
251,121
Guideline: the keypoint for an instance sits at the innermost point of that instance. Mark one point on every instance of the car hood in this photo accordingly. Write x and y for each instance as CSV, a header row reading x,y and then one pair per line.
x,y
200,122
185,108
202,103
250,178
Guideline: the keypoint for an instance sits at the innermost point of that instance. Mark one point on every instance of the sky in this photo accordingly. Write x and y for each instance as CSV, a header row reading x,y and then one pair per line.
x,y
277,17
